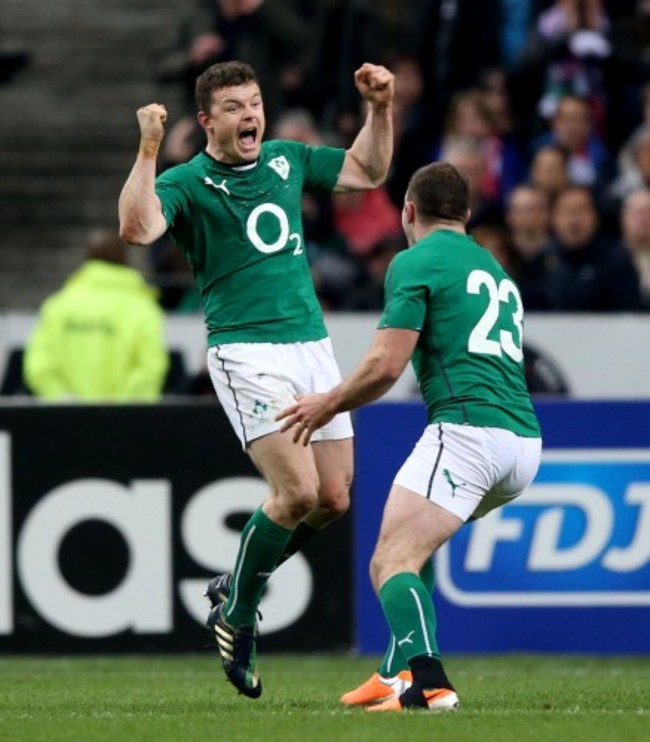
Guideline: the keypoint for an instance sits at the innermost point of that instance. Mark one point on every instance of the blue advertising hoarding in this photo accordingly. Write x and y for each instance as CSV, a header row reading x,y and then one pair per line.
x,y
566,568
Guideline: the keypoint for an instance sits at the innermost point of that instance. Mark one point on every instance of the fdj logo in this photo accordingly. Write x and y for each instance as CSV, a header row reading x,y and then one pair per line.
x,y
580,536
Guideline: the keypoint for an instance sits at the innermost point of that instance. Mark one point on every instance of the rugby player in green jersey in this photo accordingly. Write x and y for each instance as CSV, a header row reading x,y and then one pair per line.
x,y
235,212
452,310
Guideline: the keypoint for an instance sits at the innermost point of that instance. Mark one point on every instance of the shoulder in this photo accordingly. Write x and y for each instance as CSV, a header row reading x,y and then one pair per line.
x,y
282,147
407,262
54,303
273,146
293,150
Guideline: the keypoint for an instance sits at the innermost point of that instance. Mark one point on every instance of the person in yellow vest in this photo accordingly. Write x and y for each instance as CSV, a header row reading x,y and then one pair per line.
x,y
100,337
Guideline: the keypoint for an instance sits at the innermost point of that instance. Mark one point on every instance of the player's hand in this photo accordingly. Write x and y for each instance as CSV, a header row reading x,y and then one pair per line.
x,y
375,83
310,412
151,119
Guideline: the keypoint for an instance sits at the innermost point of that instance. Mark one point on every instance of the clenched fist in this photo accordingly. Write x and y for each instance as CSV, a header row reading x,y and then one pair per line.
x,y
151,119
375,83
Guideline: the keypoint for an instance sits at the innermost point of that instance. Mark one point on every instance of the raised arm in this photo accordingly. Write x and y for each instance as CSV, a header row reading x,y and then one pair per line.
x,y
368,159
141,217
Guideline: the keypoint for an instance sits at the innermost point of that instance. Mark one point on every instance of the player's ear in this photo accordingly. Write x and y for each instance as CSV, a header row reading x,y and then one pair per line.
x,y
204,120
409,211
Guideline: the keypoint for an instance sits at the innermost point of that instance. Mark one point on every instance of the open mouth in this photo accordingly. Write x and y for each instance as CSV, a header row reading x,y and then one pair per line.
x,y
248,137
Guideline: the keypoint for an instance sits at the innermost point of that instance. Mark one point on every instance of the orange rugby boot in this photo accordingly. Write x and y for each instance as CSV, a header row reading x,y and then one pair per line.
x,y
377,689
439,699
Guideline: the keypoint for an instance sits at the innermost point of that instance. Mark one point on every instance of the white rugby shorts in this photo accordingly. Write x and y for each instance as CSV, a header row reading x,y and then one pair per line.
x,y
256,381
470,470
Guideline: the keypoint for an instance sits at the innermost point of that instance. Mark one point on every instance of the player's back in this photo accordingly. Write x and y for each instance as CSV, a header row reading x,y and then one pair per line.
x,y
469,358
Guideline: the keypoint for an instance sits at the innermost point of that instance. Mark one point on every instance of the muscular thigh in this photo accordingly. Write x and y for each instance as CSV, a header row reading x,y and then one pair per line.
x,y
291,473
286,466
256,381
412,529
334,463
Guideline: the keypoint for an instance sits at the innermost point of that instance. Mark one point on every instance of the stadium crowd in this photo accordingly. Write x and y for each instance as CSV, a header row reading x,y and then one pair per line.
x,y
544,105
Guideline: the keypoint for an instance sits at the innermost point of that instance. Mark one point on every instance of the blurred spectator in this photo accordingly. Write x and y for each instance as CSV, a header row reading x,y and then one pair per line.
x,y
184,140
441,32
280,39
549,170
493,84
99,338
203,39
470,158
351,34
567,54
641,122
412,143
585,271
173,277
470,117
497,240
336,276
518,17
368,294
589,162
631,43
635,228
528,218
364,218
635,173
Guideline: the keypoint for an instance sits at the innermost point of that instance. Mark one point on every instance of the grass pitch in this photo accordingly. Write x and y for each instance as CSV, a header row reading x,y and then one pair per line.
x,y
186,698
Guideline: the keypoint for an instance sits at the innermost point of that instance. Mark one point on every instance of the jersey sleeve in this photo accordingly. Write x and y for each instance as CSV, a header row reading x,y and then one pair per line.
x,y
322,166
173,197
406,294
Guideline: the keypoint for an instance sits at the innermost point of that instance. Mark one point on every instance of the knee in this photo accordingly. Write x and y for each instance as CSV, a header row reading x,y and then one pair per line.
x,y
376,570
298,500
336,503
334,497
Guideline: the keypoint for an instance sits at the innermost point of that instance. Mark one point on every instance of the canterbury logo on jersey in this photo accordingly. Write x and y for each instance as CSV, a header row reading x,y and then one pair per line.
x,y
281,166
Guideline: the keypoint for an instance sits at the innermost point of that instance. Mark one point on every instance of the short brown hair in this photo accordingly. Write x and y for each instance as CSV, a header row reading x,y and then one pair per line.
x,y
221,75
439,192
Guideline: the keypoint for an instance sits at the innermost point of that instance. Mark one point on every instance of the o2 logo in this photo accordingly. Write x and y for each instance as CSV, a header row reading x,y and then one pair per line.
x,y
580,536
283,237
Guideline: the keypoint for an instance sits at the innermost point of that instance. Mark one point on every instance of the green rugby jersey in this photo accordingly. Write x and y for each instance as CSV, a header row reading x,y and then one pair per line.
x,y
240,229
468,360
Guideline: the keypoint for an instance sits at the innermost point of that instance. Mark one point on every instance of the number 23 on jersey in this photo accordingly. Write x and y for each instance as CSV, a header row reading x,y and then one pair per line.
x,y
499,297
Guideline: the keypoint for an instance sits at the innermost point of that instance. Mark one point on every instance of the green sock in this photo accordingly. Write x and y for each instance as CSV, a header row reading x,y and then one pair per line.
x,y
428,575
262,543
394,660
300,535
409,611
